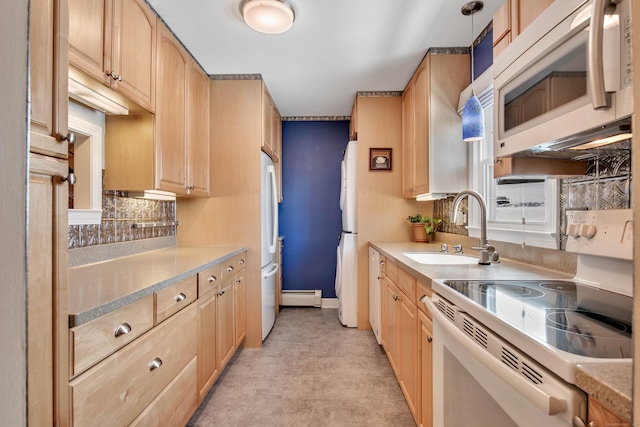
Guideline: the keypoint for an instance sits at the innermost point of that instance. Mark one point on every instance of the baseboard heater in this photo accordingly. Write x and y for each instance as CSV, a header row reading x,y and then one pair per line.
x,y
302,298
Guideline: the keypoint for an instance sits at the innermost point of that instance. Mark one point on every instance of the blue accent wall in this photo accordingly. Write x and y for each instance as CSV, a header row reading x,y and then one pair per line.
x,y
309,217
483,55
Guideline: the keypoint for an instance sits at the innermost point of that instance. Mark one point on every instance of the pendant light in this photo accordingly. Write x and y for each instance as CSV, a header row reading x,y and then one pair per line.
x,y
472,114
267,16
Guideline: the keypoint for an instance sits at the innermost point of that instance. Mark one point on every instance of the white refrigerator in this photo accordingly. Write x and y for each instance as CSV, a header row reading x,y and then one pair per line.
x,y
347,252
269,230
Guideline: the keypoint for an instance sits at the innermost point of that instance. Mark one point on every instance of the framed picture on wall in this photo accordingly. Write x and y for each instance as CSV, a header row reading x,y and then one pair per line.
x,y
380,159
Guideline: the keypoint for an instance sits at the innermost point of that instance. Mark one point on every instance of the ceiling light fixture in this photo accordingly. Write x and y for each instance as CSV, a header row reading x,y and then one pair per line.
x,y
268,16
472,114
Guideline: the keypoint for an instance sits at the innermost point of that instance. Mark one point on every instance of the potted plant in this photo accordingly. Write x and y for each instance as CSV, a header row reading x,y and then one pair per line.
x,y
423,227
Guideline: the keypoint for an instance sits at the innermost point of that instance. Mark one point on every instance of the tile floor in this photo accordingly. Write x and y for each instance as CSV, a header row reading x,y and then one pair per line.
x,y
311,371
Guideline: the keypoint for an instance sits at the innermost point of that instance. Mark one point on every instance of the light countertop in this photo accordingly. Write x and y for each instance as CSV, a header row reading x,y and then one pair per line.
x,y
99,288
504,270
610,384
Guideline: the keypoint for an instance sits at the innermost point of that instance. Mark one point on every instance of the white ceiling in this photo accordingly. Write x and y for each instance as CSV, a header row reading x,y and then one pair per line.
x,y
335,48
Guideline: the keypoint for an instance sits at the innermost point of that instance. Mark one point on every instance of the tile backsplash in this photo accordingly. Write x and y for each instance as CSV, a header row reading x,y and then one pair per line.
x,y
126,219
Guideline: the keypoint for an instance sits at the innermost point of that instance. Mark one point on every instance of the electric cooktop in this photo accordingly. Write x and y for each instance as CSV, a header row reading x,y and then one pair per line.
x,y
569,316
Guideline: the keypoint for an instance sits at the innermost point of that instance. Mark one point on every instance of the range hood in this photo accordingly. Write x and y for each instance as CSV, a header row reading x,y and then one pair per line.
x,y
585,144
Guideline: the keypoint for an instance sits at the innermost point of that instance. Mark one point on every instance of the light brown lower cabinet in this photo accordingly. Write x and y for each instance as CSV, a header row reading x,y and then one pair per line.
x,y
407,338
399,322
118,389
599,415
221,318
426,364
175,404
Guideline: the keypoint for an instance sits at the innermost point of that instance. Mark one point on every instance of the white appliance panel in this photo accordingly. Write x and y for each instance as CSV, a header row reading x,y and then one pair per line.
x,y
269,238
269,211
347,280
374,293
268,298
348,190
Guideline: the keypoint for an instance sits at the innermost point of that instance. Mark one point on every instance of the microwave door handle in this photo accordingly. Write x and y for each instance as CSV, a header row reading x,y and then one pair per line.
x,y
595,60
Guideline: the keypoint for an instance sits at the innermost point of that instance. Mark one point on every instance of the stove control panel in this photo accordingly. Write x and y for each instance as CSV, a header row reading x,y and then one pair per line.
x,y
607,233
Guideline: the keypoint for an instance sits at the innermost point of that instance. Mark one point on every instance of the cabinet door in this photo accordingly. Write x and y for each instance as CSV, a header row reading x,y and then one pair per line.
x,y
599,415
239,292
47,324
426,377
267,123
207,317
408,140
408,350
421,131
49,76
90,37
390,310
133,56
224,333
170,164
198,161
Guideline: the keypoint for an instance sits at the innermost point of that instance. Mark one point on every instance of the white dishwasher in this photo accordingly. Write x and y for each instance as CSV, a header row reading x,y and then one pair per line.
x,y
375,270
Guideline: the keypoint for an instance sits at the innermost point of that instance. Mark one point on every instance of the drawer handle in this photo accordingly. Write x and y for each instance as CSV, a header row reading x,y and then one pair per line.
x,y
230,268
212,278
241,261
155,364
123,329
181,297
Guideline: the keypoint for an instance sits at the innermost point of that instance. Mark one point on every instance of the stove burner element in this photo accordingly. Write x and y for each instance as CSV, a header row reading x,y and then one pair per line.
x,y
560,286
515,290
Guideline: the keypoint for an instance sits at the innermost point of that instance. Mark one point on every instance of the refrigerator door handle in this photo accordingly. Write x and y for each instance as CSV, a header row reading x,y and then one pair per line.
x,y
273,271
271,172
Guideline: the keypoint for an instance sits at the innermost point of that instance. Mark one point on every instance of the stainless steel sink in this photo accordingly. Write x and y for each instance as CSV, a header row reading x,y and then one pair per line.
x,y
439,258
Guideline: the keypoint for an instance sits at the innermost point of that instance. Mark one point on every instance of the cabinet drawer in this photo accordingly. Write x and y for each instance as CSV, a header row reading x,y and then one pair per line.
x,y
175,404
174,298
391,270
209,279
94,340
117,390
229,267
407,283
240,261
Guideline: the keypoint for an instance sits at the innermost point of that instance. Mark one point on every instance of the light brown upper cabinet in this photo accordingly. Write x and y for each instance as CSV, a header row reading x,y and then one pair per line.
x,y
271,127
167,151
512,18
114,41
182,121
434,157
49,73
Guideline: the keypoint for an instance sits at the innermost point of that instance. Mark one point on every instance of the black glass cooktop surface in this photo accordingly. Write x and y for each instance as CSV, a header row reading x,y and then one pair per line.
x,y
569,316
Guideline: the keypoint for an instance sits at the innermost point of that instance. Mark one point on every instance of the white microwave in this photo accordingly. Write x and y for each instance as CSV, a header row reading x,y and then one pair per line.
x,y
564,79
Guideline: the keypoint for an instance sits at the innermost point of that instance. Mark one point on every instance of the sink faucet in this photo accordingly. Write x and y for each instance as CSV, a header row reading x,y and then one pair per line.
x,y
486,250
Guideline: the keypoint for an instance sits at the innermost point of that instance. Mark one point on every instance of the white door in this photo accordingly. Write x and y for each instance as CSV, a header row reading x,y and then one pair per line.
x,y
348,195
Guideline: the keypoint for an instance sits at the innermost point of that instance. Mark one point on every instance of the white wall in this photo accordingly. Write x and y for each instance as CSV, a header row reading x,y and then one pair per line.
x,y
13,128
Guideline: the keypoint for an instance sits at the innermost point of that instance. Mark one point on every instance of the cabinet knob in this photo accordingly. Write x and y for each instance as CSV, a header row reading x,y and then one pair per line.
x,y
181,297
212,278
429,338
155,364
122,329
119,78
70,138
112,74
395,297
221,292
71,177
241,261
230,268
